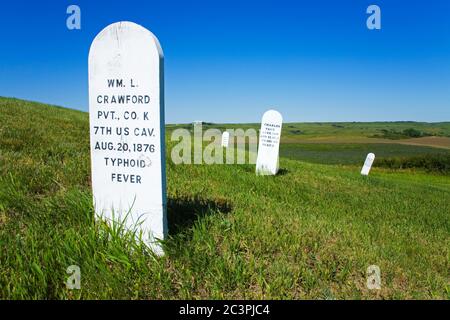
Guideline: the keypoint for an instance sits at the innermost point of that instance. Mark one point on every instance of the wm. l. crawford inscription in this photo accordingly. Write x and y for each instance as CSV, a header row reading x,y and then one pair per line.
x,y
126,111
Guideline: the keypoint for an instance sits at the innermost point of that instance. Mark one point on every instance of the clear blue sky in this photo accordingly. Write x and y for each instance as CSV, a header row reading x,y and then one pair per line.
x,y
229,61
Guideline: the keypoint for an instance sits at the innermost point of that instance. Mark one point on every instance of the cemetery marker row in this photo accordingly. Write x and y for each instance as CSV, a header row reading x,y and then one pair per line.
x,y
126,111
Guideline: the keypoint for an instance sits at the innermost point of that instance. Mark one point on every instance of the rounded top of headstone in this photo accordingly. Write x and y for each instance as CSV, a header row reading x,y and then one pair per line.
x,y
125,28
371,155
274,115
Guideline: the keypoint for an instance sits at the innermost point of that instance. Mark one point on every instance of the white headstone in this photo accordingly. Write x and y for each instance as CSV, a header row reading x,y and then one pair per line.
x,y
126,112
225,139
367,164
269,143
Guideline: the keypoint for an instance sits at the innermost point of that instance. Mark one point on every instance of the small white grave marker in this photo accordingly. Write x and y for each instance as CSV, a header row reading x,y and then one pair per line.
x,y
126,112
225,139
269,143
367,164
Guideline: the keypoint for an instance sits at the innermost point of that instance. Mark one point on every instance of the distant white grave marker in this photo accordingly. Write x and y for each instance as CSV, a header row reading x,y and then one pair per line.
x,y
225,139
126,111
367,164
269,143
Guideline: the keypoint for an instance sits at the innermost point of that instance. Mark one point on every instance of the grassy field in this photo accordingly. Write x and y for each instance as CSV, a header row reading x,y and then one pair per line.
x,y
353,153
405,132
310,232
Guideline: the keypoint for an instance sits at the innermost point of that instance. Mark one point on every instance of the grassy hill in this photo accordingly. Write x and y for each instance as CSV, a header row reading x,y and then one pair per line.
x,y
310,232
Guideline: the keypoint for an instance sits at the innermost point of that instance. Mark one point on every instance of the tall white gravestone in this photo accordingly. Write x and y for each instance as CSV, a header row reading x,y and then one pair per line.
x,y
126,113
267,161
367,164
225,139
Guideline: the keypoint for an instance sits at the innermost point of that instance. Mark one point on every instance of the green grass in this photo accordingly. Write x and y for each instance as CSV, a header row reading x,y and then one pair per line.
x,y
438,163
310,232
354,153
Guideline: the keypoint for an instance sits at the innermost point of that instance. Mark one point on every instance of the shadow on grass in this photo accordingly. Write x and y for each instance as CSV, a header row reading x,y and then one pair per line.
x,y
183,212
252,169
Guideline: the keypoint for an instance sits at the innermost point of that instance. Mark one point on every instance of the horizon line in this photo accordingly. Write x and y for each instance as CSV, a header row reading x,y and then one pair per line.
x,y
213,122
